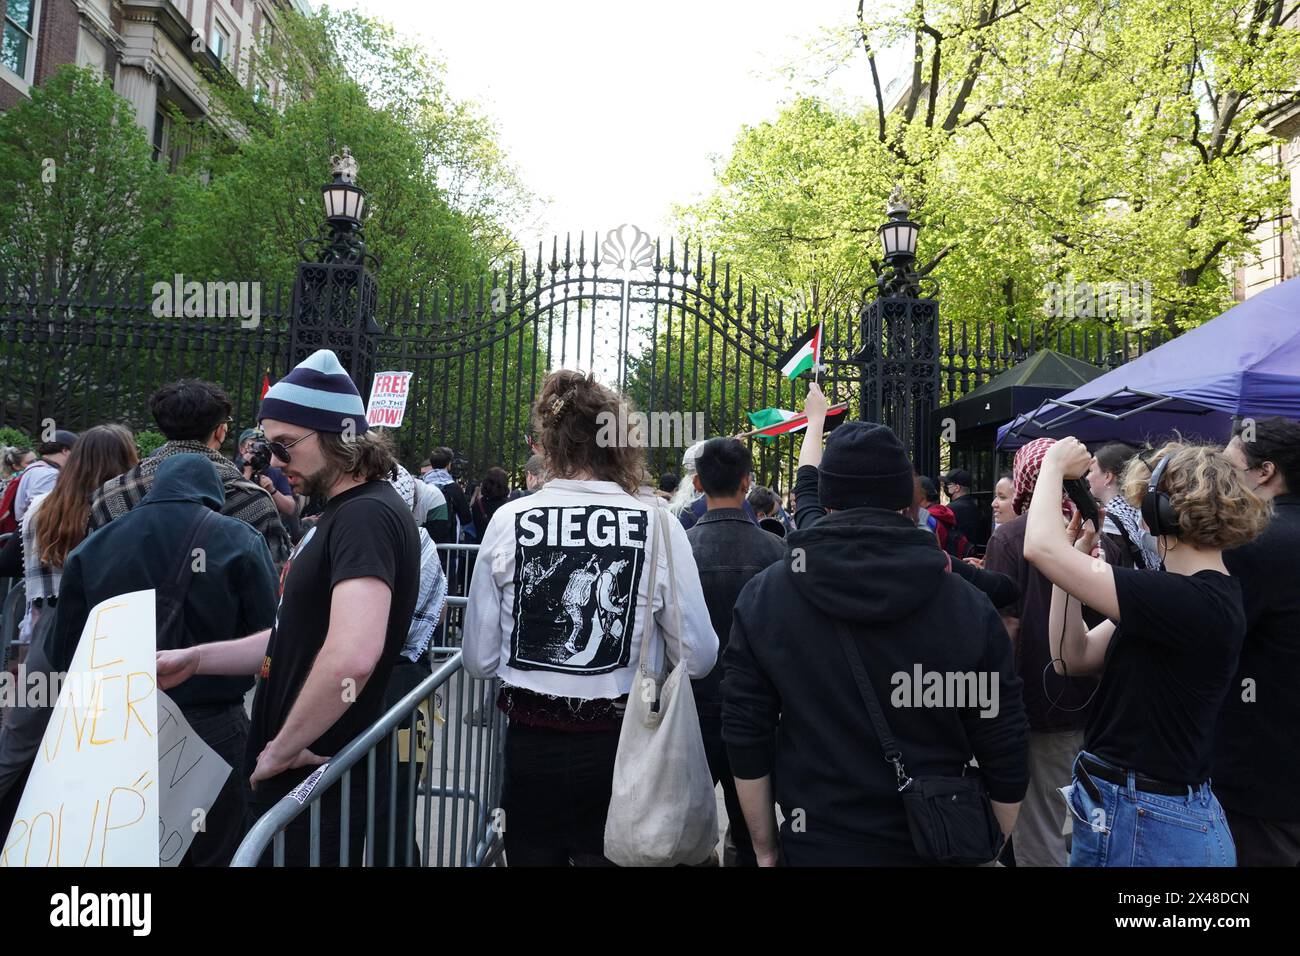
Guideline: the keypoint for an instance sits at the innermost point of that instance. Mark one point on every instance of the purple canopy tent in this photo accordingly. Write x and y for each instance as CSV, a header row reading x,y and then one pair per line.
x,y
1244,363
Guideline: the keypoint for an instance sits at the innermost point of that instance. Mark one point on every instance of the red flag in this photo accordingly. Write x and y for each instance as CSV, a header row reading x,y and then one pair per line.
x,y
266,386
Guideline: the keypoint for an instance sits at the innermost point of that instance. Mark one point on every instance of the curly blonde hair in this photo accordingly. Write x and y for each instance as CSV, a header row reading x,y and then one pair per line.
x,y
1215,509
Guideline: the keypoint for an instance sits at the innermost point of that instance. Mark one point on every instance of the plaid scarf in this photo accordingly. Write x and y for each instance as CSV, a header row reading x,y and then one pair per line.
x,y
1028,464
244,500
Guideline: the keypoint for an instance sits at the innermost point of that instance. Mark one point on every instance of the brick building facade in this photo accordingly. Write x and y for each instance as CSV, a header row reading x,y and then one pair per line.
x,y
152,49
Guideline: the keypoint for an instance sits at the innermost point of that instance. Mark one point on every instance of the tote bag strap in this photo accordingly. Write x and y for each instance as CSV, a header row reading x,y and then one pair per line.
x,y
660,515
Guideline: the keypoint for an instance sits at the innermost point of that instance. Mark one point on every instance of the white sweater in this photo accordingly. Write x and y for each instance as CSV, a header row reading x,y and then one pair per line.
x,y
557,604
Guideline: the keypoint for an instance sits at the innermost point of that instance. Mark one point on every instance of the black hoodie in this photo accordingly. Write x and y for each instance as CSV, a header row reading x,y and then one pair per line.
x,y
786,674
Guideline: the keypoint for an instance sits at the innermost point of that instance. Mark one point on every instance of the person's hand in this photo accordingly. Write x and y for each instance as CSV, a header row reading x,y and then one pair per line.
x,y
814,404
271,764
1085,537
267,484
176,667
975,562
767,858
248,472
1070,456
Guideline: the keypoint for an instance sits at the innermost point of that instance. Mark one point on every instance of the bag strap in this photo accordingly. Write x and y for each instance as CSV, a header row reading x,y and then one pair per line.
x,y
660,515
198,534
650,597
887,742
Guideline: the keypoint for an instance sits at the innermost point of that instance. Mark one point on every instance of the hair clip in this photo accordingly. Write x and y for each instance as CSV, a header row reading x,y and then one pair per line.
x,y
557,406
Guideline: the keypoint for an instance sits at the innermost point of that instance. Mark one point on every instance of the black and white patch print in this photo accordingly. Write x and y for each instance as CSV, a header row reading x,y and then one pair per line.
x,y
577,570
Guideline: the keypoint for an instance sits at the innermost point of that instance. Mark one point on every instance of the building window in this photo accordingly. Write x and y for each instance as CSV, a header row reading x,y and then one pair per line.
x,y
159,133
219,42
18,42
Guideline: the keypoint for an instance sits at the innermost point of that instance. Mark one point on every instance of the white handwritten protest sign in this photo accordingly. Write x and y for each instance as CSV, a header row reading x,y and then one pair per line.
x,y
388,394
92,796
191,775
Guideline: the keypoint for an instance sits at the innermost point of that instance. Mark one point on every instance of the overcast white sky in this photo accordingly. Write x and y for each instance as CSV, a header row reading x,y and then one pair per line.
x,y
613,110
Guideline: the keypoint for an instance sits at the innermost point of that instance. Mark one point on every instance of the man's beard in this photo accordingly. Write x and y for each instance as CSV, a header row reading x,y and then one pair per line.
x,y
320,483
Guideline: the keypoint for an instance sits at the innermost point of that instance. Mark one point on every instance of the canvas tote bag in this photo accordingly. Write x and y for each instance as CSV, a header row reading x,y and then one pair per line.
x,y
662,810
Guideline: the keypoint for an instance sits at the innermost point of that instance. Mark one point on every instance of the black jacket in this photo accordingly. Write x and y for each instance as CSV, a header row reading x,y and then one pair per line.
x,y
1256,748
785,671
729,550
970,519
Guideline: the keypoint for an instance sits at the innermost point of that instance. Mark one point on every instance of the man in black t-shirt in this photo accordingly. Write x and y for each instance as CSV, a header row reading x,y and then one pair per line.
x,y
324,666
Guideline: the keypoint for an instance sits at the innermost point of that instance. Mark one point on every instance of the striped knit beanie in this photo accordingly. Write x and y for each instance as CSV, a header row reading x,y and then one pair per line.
x,y
317,394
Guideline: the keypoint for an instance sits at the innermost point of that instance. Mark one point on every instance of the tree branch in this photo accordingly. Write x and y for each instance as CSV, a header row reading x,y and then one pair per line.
x,y
875,73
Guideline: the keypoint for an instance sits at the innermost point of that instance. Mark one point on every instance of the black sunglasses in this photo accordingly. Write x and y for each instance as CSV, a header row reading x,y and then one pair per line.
x,y
281,450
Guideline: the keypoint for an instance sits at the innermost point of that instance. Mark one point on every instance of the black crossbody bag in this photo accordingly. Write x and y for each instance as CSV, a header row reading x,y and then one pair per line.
x,y
950,818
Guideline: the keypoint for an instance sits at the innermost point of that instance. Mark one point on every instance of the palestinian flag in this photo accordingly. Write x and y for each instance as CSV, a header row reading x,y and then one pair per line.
x,y
771,422
804,354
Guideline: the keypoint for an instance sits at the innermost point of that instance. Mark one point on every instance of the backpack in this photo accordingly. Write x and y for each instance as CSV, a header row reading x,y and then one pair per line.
x,y
8,522
957,544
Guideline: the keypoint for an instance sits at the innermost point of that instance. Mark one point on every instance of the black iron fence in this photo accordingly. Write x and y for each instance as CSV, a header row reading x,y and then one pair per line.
x,y
678,331
976,353
94,353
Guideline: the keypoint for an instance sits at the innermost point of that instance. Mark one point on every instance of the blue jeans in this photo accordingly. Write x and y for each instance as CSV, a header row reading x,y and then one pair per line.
x,y
1130,827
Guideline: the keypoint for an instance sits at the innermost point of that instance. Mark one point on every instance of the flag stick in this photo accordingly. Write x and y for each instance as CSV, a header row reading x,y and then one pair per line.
x,y
756,431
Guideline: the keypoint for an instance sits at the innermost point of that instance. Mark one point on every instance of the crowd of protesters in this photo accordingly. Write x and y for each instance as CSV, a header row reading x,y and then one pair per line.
x,y
1111,695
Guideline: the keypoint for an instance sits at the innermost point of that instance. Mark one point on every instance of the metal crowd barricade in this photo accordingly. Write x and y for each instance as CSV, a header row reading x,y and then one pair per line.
x,y
448,801
458,565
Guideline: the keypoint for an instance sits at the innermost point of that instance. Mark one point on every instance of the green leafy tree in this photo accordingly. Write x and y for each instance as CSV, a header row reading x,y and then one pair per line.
x,y
439,191
82,206
1112,141
149,441
80,194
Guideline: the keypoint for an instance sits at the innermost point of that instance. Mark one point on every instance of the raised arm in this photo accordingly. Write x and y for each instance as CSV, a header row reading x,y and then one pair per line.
x,y
814,406
1047,543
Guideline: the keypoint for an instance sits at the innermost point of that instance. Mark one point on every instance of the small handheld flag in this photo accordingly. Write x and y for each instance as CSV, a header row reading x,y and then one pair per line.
x,y
805,354
771,422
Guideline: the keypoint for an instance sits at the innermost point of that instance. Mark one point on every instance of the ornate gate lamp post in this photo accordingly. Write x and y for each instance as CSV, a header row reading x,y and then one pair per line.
x,y
345,204
335,294
898,238
900,353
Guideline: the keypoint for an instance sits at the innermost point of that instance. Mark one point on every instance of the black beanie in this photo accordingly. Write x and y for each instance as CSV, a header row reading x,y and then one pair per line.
x,y
865,466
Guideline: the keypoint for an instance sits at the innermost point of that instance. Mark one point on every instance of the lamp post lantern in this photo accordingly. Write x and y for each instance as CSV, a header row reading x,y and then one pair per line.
x,y
335,294
898,239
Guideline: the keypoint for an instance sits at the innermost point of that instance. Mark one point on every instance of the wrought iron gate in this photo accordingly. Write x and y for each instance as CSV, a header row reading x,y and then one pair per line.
x,y
673,328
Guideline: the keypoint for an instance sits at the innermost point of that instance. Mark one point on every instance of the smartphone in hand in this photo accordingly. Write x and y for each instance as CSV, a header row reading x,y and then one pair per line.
x,y
1081,495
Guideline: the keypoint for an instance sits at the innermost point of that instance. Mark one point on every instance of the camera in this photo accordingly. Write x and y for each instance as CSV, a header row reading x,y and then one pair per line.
x,y
258,457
